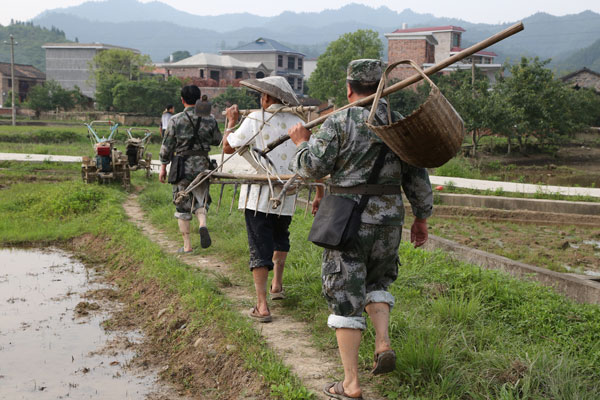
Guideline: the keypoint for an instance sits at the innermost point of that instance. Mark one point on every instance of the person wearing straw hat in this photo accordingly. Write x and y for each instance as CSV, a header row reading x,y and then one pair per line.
x,y
185,146
267,228
357,278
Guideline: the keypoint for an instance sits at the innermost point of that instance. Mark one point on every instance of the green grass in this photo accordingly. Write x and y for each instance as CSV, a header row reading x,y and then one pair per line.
x,y
460,331
46,213
540,194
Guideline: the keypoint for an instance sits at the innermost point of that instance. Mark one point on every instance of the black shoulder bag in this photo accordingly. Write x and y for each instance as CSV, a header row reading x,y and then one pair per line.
x,y
177,170
337,220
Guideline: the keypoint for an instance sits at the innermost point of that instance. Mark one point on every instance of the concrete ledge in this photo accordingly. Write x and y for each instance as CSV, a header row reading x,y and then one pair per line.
x,y
511,203
577,288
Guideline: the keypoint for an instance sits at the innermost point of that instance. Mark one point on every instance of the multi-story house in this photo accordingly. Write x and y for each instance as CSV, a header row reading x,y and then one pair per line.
x,y
279,59
69,64
430,45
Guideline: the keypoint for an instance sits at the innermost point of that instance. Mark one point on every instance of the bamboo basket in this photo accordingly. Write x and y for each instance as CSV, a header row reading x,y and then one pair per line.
x,y
428,137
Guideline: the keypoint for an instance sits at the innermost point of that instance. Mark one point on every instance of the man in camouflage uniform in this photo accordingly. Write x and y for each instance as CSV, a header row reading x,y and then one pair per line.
x,y
190,135
357,279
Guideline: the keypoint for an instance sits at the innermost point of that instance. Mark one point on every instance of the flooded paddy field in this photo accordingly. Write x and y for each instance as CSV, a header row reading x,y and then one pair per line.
x,y
52,343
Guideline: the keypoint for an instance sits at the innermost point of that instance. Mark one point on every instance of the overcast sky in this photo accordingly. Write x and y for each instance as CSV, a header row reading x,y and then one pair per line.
x,y
469,10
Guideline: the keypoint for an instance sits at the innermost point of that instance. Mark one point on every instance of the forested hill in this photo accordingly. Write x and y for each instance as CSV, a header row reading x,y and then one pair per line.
x,y
588,57
30,39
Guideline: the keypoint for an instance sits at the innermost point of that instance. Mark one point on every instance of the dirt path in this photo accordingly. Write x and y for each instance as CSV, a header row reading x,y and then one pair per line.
x,y
287,337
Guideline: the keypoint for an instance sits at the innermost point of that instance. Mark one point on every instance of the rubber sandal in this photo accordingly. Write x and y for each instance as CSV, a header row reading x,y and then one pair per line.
x,y
340,394
384,362
260,318
277,295
182,250
205,241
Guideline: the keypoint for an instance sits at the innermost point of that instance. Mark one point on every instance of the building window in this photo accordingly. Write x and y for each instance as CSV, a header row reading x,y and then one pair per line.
x,y
280,61
238,74
291,63
455,39
215,75
291,81
300,64
201,73
299,87
260,75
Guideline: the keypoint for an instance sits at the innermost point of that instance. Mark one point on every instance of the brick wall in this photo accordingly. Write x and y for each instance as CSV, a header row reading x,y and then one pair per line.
x,y
418,50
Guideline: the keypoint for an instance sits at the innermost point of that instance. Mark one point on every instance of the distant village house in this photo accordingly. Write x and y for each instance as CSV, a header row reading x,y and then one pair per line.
x,y
257,59
584,78
26,76
430,45
69,64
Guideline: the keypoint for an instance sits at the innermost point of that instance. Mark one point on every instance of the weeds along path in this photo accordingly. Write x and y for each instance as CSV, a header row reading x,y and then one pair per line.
x,y
287,337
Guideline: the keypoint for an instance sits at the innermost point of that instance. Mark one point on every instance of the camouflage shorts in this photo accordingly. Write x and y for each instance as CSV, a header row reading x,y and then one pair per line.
x,y
356,277
198,198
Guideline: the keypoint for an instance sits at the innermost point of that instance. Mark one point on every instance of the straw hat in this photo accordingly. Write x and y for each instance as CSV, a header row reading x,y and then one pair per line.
x,y
274,86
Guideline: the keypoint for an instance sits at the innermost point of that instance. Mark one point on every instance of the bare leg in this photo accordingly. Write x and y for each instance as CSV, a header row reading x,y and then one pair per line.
x,y
380,316
201,215
260,276
348,343
184,228
279,261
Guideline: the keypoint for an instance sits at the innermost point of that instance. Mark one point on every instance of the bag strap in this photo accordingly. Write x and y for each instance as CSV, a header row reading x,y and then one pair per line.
x,y
196,129
374,176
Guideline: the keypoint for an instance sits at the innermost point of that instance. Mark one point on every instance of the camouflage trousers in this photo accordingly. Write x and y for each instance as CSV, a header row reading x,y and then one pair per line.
x,y
353,278
196,199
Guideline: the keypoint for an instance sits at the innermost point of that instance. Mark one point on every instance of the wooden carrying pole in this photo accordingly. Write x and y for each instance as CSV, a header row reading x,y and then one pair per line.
x,y
518,27
283,109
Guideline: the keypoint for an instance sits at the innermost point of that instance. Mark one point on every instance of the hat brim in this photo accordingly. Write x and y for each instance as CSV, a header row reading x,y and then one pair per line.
x,y
271,90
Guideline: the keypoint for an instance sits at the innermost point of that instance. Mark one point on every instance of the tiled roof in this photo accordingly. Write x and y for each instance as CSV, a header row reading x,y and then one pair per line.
x,y
262,45
431,29
22,71
202,59
479,53
584,69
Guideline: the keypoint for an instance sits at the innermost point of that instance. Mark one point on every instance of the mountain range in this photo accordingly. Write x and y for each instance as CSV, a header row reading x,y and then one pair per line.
x,y
158,29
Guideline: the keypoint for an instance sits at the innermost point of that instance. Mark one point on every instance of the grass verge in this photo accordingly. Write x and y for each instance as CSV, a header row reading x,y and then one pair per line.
x,y
461,332
45,213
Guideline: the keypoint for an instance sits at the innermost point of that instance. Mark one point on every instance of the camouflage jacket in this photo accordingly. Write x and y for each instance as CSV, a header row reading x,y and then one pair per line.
x,y
346,149
178,138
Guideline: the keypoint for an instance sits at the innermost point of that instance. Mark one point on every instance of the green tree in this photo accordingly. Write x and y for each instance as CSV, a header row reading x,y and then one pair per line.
x,y
146,96
244,98
328,81
178,56
114,66
50,96
471,97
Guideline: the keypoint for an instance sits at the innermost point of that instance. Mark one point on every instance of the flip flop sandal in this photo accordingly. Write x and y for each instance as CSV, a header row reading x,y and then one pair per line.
x,y
384,362
277,295
205,241
339,394
182,250
260,318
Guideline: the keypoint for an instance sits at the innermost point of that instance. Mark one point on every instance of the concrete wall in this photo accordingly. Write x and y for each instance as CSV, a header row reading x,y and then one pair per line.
x,y
442,50
71,67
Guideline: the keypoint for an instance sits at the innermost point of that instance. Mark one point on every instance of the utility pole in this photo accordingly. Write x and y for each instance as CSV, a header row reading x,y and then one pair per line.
x,y
12,78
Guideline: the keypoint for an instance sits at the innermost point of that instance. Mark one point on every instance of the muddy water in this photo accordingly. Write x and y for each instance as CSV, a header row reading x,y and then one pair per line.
x,y
49,348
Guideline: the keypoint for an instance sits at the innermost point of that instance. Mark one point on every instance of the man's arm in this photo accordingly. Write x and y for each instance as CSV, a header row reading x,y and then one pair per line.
x,y
316,154
232,114
167,149
417,187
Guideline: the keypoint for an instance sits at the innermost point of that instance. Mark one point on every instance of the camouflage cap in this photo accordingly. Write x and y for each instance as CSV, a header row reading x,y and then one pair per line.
x,y
364,70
